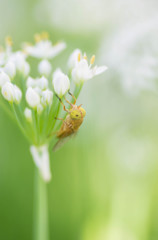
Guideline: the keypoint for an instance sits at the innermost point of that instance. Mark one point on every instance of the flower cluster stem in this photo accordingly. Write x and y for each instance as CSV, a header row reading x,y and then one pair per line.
x,y
41,228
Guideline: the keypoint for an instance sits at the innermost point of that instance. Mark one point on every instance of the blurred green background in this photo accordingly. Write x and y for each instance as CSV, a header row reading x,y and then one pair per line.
x,y
105,182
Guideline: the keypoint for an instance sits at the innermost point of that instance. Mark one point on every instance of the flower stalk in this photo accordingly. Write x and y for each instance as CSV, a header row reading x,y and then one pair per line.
x,y
41,225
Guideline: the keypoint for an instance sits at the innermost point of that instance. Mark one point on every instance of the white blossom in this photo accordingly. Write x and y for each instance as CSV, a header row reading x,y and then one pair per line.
x,y
19,59
60,82
17,94
44,67
32,97
39,108
26,68
45,49
73,59
10,69
47,97
31,82
38,90
84,71
28,114
41,83
3,78
11,92
8,92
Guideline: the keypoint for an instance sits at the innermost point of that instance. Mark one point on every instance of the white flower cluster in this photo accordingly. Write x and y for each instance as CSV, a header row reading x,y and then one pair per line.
x,y
33,99
37,94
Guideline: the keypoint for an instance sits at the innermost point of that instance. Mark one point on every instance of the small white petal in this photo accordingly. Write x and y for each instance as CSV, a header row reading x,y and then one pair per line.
x,y
26,68
60,82
3,78
18,58
42,83
73,59
81,72
8,91
47,97
99,70
38,90
10,69
45,49
28,114
39,109
17,94
31,82
44,67
32,97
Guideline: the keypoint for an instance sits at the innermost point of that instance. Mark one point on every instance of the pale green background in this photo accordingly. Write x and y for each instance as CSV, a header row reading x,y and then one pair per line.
x,y
104,184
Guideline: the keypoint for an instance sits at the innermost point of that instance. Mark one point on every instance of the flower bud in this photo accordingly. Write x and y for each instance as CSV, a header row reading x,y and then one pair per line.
x,y
28,114
44,67
8,92
3,78
39,108
17,94
60,82
32,97
42,83
10,69
31,82
26,68
47,97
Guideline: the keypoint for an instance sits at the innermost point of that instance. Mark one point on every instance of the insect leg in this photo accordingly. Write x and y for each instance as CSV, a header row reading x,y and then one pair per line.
x,y
68,101
72,96
62,104
59,119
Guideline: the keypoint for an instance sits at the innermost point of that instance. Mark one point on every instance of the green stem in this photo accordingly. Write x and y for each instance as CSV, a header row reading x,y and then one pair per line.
x,y
41,229
19,122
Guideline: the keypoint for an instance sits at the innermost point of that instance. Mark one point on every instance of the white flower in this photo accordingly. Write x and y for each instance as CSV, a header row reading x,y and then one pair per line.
x,y
8,92
11,92
47,97
41,159
44,67
19,59
32,97
3,78
38,90
31,82
10,69
39,108
73,59
41,83
28,114
60,82
17,94
45,49
83,72
26,68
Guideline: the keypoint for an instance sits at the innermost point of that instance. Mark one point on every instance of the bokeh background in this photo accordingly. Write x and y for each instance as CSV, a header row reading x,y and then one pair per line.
x,y
105,182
